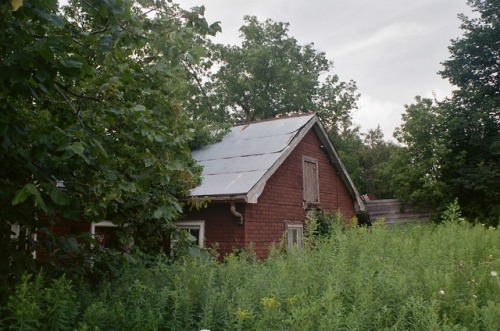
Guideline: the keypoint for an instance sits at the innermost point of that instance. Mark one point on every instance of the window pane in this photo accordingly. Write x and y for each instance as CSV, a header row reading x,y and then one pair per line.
x,y
294,235
195,229
195,232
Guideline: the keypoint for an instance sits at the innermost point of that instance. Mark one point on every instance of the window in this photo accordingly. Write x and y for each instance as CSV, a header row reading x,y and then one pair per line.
x,y
294,233
15,230
107,235
195,228
310,180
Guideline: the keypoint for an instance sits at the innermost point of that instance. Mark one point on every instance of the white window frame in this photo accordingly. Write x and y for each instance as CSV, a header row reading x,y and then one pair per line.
x,y
198,225
290,228
309,159
16,228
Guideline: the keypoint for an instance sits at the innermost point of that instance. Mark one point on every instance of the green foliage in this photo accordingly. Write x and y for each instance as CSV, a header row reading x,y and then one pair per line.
x,y
366,160
416,168
452,147
38,305
92,119
399,278
436,164
452,213
473,64
351,149
375,157
270,75
320,223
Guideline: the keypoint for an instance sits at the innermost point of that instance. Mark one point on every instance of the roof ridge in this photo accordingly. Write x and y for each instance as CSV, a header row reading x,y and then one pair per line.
x,y
270,119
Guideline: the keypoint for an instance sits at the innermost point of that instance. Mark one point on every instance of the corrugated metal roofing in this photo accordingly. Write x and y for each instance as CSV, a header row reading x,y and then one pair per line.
x,y
235,165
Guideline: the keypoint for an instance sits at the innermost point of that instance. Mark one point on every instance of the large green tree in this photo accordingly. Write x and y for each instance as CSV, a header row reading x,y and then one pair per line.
x,y
471,118
92,125
452,148
374,157
365,156
269,75
415,169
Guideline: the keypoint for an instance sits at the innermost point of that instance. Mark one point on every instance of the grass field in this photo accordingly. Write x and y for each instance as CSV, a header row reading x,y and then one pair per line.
x,y
414,277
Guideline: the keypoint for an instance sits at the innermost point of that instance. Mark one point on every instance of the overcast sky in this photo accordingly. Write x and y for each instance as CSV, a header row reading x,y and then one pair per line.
x,y
391,48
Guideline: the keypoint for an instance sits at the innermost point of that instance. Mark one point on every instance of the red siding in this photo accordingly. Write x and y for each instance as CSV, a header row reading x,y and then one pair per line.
x,y
282,197
281,200
62,227
69,227
221,227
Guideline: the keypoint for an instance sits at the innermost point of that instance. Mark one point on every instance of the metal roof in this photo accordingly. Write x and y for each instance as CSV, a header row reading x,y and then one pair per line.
x,y
238,167
235,165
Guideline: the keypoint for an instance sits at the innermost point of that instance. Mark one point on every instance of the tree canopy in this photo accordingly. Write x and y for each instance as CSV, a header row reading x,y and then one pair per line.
x,y
471,118
270,74
453,146
92,124
415,170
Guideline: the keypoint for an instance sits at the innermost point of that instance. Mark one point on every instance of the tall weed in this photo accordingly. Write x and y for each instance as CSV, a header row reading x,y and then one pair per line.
x,y
415,277
36,305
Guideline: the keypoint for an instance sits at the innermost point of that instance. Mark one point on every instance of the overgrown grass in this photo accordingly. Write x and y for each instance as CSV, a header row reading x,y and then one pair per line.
x,y
416,277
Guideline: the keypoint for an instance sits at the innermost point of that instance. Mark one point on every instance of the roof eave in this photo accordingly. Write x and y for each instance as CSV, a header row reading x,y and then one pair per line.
x,y
337,162
255,192
224,198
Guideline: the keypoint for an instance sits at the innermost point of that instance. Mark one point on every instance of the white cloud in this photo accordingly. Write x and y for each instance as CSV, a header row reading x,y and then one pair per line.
x,y
391,34
386,113
373,112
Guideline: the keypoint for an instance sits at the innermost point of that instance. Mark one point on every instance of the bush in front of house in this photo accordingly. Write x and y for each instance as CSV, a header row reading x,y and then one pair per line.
x,y
410,277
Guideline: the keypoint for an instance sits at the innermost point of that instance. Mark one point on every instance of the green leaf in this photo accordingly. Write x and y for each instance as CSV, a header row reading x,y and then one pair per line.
x,y
24,193
54,19
159,138
68,63
139,108
58,196
195,53
127,186
148,161
162,212
29,190
77,148
214,28
106,43
71,244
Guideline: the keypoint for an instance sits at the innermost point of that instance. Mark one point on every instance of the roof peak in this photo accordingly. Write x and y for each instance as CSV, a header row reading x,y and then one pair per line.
x,y
283,117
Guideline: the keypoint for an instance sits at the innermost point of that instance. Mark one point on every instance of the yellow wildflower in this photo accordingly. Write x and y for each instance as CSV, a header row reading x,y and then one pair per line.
x,y
292,300
269,302
242,314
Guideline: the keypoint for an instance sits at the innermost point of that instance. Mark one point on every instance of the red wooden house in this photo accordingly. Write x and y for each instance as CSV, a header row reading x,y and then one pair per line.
x,y
261,178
